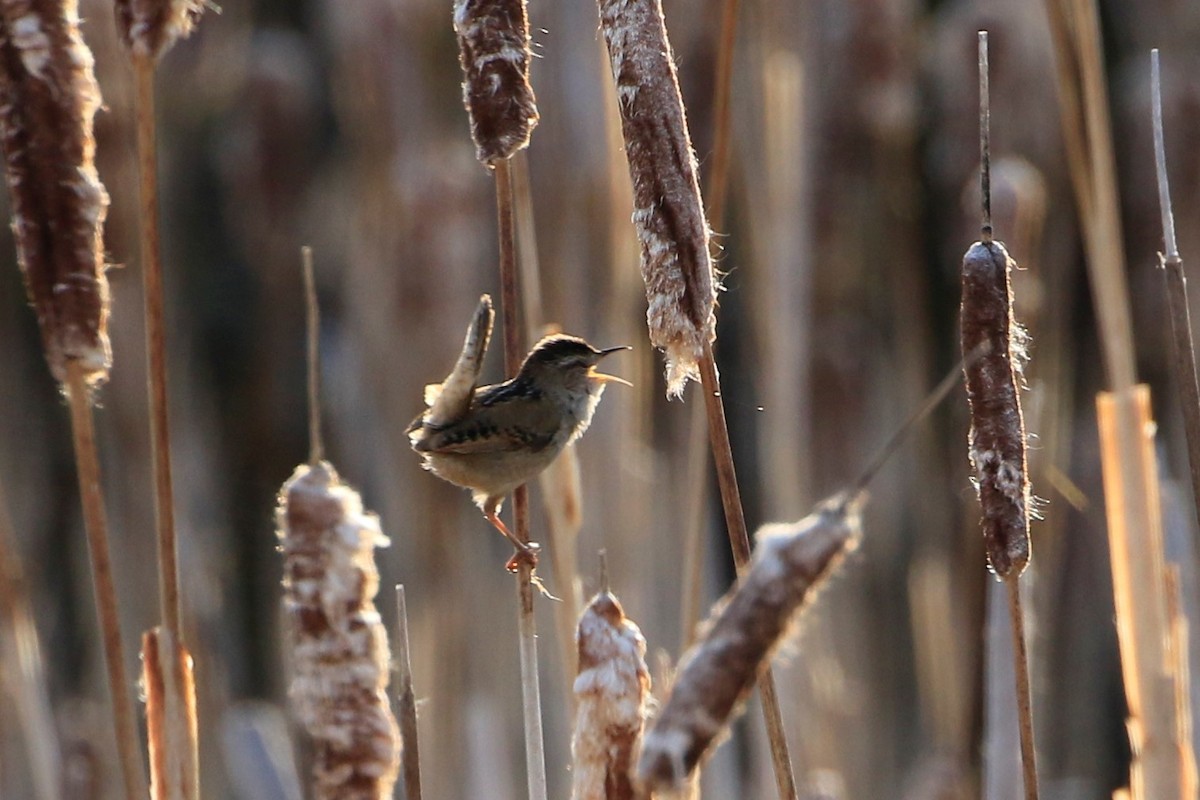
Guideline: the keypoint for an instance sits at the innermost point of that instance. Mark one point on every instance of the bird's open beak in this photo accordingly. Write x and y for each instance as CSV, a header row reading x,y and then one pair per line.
x,y
605,378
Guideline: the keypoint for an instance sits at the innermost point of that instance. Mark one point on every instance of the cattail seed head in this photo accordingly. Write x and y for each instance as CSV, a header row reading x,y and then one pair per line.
x,y
339,646
611,688
493,46
997,438
48,96
790,563
668,212
150,27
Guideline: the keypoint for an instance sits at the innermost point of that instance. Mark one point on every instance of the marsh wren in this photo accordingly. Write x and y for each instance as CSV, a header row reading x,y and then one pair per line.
x,y
492,439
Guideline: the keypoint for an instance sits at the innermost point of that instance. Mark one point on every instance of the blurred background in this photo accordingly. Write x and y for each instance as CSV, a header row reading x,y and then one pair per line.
x,y
853,196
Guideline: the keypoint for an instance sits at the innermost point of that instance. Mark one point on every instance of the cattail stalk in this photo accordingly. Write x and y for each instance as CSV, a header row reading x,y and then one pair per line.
x,y
338,643
611,691
714,677
410,761
1183,355
48,97
493,39
169,682
339,646
676,263
997,438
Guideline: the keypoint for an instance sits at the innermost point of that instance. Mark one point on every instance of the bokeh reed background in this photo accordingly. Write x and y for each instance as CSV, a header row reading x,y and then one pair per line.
x,y
854,195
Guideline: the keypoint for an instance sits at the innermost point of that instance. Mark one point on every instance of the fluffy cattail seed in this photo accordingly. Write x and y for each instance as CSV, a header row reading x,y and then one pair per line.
x,y
611,688
339,646
790,564
48,96
668,211
150,27
997,439
493,47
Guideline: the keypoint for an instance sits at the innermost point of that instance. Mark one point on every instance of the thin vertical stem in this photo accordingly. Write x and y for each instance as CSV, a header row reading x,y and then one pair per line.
x,y
1024,694
985,140
739,542
312,324
410,757
718,177
1183,354
156,373
96,526
535,758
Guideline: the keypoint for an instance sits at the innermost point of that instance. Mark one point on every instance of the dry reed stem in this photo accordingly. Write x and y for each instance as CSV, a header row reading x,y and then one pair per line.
x,y
493,42
22,667
339,646
514,351
714,677
96,526
1024,692
668,212
1088,138
1183,355
169,682
611,689
150,27
410,758
48,97
156,348
1131,496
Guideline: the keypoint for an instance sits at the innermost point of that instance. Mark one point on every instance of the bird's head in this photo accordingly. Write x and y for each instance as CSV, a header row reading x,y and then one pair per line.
x,y
569,362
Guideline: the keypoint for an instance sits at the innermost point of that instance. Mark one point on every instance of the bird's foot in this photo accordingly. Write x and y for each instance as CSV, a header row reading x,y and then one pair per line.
x,y
525,554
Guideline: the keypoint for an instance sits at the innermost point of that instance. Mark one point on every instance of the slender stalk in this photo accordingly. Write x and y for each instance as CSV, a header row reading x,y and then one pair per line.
x,y
312,317
1024,695
535,758
718,177
739,542
156,374
410,757
1183,354
96,526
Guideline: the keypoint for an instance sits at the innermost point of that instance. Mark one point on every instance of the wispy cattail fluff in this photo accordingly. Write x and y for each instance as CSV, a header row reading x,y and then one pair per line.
x,y
493,47
48,96
151,27
668,212
790,564
339,647
997,440
611,688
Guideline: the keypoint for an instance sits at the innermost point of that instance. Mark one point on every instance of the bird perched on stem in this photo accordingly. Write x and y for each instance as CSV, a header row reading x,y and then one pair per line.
x,y
492,439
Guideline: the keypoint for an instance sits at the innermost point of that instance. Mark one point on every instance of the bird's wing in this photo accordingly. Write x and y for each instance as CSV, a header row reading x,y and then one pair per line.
x,y
450,400
499,427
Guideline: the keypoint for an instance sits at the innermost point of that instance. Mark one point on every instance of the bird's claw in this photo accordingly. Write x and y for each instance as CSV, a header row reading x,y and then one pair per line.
x,y
524,555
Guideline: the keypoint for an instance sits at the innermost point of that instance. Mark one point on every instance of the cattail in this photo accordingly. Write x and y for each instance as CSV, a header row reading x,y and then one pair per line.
x,y
48,96
493,47
714,677
668,211
339,647
611,689
997,447
149,28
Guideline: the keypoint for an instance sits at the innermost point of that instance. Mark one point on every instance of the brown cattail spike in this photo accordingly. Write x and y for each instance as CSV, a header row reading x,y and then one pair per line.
x,y
997,440
339,646
611,689
150,27
48,96
790,564
668,213
493,46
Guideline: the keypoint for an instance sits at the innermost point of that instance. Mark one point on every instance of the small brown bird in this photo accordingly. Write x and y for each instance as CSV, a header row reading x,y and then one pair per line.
x,y
492,439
